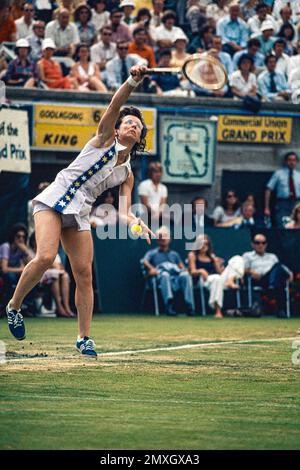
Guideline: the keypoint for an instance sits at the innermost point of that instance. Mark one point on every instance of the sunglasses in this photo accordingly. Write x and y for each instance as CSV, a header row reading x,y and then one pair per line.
x,y
20,236
28,9
123,48
256,242
106,34
231,195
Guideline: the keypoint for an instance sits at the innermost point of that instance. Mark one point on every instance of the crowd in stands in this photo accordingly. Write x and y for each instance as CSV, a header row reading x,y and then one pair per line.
x,y
91,45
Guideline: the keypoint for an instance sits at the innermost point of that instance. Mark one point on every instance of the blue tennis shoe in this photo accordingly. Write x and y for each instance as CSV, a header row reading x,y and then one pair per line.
x,y
86,347
15,323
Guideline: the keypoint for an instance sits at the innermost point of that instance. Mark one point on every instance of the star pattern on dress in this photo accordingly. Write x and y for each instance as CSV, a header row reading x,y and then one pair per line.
x,y
104,159
62,203
77,184
84,178
90,172
72,190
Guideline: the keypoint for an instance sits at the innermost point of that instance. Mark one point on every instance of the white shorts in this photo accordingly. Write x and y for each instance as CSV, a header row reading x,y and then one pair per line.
x,y
67,220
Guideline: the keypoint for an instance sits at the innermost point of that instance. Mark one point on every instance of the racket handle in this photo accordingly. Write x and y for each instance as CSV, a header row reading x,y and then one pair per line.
x,y
162,70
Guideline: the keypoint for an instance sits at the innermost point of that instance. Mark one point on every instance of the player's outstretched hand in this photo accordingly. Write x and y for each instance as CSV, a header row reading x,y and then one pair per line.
x,y
146,232
138,72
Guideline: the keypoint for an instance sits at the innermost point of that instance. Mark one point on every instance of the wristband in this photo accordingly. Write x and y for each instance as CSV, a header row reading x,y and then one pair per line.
x,y
132,82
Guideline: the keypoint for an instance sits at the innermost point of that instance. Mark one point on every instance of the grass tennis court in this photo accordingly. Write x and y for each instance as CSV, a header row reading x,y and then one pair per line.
x,y
243,394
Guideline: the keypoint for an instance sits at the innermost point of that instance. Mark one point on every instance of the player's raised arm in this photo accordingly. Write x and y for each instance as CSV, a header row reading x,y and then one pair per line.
x,y
107,123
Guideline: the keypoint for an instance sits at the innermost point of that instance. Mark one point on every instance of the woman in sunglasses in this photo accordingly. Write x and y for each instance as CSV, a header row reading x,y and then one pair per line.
x,y
65,207
228,213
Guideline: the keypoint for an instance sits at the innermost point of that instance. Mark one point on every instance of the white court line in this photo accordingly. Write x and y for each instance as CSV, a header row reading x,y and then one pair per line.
x,y
164,348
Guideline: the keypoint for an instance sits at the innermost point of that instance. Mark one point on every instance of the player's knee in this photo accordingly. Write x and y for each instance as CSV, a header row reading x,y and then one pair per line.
x,y
45,260
83,274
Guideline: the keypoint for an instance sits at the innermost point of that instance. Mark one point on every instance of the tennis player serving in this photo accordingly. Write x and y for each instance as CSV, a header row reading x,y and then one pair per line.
x,y
61,211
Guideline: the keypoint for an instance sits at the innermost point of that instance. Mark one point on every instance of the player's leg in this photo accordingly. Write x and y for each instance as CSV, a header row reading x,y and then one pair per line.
x,y
79,247
47,245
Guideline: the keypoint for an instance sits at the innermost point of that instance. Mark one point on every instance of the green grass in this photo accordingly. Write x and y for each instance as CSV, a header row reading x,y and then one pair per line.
x,y
234,396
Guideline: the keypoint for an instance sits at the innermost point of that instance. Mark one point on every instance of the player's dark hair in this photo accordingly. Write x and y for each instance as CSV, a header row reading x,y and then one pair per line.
x,y
132,111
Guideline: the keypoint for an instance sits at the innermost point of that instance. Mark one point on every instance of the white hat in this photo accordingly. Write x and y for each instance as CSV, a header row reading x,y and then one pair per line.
x,y
22,43
180,36
267,25
48,43
127,3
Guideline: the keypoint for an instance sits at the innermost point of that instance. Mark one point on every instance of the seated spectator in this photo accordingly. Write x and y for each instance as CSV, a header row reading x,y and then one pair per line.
x,y
166,83
233,31
294,62
143,20
248,8
127,7
85,72
65,4
248,217
25,23
266,271
139,47
104,50
16,10
195,16
253,50
117,69
22,71
218,9
8,29
282,59
152,193
44,10
243,81
266,37
100,15
255,23
224,57
120,31
85,27
294,5
50,72
271,84
165,34
63,33
167,267
205,264
287,32
286,17
157,13
35,40
15,254
295,218
285,184
202,42
179,54
105,213
228,213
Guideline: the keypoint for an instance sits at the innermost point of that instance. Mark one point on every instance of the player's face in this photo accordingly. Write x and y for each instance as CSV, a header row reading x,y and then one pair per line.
x,y
130,129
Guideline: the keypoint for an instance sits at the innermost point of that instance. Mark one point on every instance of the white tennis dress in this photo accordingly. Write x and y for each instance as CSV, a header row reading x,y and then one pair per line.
x,y
76,187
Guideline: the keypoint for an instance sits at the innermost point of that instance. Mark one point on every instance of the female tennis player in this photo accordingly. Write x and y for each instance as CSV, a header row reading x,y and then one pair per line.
x,y
61,211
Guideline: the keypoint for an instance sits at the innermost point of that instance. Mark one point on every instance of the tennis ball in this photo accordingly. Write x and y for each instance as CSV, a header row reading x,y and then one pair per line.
x,y
136,229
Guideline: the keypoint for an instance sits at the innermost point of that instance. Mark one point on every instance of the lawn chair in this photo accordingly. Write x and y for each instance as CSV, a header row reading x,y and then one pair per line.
x,y
150,285
251,288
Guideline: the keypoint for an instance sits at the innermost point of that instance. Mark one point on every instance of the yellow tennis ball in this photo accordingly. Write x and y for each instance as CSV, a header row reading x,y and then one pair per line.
x,y
136,229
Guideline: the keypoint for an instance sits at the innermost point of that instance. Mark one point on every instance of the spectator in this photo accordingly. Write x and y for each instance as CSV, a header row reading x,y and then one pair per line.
x,y
167,267
202,42
227,213
85,72
179,54
282,59
139,47
286,17
105,213
120,31
294,5
50,71
65,4
233,31
44,10
16,10
272,85
104,50
295,218
255,23
218,9
165,34
127,7
287,32
253,50
63,33
117,70
100,15
243,81
15,254
166,83
266,271
22,71
143,20
195,16
248,217
85,27
152,193
266,38
157,13
224,57
35,40
203,263
8,29
285,183
294,61
248,8
25,23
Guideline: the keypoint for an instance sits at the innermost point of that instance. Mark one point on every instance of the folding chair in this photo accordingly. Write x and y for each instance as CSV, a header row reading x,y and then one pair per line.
x,y
201,287
252,288
150,284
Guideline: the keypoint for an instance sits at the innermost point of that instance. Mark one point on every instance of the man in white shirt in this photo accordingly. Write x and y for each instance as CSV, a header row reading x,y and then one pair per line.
x,y
64,34
104,50
257,20
282,58
153,194
267,271
294,61
25,23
